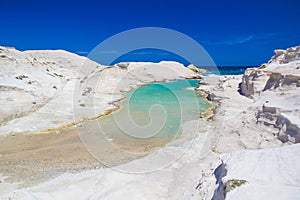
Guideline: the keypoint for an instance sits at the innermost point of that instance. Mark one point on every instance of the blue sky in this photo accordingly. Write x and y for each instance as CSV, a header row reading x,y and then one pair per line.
x,y
232,32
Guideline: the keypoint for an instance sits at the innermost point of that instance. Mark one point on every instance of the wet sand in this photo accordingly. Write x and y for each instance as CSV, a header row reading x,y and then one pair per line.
x,y
30,159
34,158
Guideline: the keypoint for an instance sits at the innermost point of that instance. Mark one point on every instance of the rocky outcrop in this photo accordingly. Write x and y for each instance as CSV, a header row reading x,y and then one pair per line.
x,y
281,71
196,69
285,56
255,81
282,126
266,115
275,87
247,86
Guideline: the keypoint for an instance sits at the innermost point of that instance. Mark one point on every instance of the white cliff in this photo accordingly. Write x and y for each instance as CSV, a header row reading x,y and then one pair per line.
x,y
275,87
270,111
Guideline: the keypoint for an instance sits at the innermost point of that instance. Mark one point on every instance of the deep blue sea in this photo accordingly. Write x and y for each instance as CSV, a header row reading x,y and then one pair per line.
x,y
158,55
227,70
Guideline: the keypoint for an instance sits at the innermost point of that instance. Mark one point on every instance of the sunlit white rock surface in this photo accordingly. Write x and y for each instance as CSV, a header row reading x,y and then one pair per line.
x,y
48,89
270,173
243,136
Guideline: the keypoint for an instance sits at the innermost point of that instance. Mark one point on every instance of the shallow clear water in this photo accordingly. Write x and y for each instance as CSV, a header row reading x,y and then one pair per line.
x,y
154,111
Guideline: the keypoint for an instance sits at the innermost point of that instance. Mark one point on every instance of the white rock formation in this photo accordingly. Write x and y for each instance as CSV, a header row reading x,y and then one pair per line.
x,y
271,173
241,138
275,87
48,89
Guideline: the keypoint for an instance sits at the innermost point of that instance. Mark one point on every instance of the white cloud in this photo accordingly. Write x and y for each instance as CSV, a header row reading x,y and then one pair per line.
x,y
82,52
232,41
108,51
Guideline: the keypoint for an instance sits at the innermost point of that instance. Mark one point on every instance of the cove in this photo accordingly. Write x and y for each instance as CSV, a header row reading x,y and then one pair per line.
x,y
154,112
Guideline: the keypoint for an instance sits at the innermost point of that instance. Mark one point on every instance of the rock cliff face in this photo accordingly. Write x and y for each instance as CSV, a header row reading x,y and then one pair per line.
x,y
282,71
275,87
259,113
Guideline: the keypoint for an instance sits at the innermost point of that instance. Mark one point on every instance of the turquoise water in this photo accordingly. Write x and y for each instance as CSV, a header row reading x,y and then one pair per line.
x,y
154,111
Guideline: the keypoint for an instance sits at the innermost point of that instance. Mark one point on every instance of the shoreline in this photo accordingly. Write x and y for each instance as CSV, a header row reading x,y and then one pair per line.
x,y
224,149
46,87
117,106
50,139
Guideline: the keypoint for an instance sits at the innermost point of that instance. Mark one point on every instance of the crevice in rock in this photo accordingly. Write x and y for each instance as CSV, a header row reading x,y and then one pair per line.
x,y
219,173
